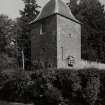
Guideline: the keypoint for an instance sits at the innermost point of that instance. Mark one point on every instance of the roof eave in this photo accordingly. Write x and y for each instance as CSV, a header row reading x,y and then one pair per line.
x,y
37,20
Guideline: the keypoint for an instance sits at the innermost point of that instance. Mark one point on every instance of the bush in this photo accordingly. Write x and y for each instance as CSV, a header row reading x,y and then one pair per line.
x,y
92,89
15,86
57,87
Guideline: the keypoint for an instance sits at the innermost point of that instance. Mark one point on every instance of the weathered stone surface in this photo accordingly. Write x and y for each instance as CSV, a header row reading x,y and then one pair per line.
x,y
59,44
68,38
44,45
55,7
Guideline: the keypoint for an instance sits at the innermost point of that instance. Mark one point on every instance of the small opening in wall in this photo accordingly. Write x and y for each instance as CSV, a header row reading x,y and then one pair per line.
x,y
71,61
69,35
42,28
49,65
43,49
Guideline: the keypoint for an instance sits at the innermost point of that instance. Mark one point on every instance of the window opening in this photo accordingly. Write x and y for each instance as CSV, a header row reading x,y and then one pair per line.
x,y
42,28
70,35
71,61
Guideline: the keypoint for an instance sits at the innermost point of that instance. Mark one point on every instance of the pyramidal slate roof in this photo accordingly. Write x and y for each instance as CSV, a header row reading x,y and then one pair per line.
x,y
55,7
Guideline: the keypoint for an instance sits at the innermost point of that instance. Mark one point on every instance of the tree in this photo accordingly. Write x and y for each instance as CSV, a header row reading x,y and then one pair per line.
x,y
27,15
4,26
6,41
91,13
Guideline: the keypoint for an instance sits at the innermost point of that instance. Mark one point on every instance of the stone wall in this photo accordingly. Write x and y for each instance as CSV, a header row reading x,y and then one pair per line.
x,y
68,41
61,40
43,45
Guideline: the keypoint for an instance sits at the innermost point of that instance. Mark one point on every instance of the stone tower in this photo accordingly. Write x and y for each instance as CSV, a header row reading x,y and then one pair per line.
x,y
56,37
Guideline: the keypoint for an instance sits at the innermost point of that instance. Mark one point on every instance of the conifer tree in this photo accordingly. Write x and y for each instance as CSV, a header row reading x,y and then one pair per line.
x,y
29,13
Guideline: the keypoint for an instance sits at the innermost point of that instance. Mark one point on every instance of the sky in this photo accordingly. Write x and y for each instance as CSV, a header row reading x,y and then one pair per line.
x,y
12,7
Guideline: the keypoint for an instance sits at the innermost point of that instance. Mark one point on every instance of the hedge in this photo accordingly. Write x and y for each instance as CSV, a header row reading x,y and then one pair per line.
x,y
56,87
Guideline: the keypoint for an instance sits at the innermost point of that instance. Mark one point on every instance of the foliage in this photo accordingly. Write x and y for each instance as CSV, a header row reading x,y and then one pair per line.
x,y
89,11
93,88
54,87
4,25
17,83
7,42
29,13
92,16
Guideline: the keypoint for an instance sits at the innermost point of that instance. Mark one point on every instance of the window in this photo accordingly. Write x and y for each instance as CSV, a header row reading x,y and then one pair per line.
x,y
42,28
70,35
71,61
43,50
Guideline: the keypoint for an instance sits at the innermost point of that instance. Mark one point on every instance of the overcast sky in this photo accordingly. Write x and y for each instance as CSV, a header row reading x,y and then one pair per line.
x,y
12,7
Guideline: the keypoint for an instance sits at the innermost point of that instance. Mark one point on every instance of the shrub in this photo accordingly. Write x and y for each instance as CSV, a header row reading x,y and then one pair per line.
x,y
92,89
57,87
14,88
